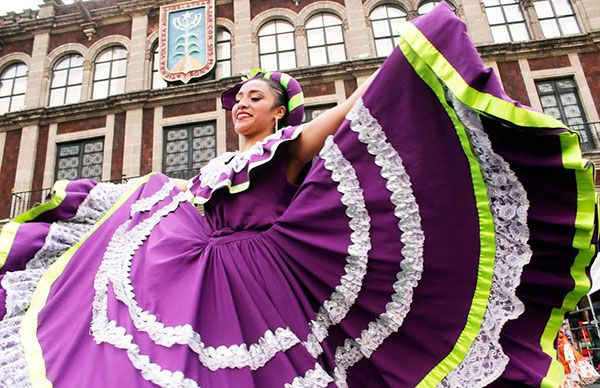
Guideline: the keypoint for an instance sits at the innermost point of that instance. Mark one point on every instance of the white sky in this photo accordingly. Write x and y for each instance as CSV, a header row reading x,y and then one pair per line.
x,y
18,6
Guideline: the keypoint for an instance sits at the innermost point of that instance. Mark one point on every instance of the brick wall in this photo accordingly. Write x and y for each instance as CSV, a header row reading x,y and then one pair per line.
x,y
513,82
116,163
316,90
20,46
78,36
260,6
188,108
81,125
591,67
147,141
8,170
549,62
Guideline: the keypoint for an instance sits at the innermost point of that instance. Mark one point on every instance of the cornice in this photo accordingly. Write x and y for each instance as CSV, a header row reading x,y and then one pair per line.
x,y
172,95
541,47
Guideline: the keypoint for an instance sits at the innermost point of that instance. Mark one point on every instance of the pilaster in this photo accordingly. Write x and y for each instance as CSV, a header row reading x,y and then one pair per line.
x,y
243,49
357,35
26,159
36,83
137,53
132,144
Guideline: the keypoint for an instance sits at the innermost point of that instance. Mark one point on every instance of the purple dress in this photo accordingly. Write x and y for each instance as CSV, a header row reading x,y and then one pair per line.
x,y
437,239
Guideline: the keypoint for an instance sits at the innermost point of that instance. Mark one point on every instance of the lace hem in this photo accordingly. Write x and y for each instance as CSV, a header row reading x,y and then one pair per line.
x,y
314,378
115,269
485,360
20,285
345,294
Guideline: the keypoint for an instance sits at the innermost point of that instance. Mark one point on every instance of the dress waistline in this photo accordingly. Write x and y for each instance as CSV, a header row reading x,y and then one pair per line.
x,y
226,235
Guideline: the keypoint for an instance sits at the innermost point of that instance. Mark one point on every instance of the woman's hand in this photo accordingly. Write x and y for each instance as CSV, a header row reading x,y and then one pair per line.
x,y
180,184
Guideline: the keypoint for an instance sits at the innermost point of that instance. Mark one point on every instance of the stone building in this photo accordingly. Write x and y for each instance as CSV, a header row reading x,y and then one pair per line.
x,y
80,95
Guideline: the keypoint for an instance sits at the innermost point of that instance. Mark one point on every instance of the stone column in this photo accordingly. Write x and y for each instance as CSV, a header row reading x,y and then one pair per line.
x,y
243,49
357,35
535,29
477,23
36,84
137,53
26,160
2,142
588,14
132,144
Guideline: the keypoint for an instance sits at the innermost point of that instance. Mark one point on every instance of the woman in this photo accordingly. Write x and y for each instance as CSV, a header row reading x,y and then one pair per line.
x,y
393,261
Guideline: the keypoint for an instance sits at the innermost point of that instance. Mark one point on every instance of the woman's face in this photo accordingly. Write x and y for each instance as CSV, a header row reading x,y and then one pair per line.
x,y
254,111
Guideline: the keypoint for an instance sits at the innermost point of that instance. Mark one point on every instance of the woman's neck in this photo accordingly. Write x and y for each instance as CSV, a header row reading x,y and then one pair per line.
x,y
247,142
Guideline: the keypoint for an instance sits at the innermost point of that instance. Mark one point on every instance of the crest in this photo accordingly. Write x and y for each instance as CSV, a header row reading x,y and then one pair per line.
x,y
186,40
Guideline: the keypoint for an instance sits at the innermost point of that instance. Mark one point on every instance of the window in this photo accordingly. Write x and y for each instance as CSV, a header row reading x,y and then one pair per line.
x,y
311,112
223,53
157,81
110,69
427,6
556,17
506,20
560,99
385,21
188,148
81,159
65,87
13,81
276,46
325,39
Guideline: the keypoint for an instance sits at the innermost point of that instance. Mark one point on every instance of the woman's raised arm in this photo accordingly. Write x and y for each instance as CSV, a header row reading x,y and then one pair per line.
x,y
314,133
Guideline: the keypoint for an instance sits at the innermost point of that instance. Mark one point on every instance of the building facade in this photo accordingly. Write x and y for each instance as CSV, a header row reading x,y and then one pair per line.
x,y
80,95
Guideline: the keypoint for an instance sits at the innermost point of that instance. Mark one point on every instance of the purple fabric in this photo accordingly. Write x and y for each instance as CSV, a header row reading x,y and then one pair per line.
x,y
28,240
2,300
459,50
268,257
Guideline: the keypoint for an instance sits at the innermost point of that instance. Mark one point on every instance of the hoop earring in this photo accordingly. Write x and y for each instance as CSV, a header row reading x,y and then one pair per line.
x,y
276,123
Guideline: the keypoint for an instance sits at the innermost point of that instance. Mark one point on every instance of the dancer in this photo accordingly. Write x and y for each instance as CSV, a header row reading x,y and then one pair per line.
x,y
438,238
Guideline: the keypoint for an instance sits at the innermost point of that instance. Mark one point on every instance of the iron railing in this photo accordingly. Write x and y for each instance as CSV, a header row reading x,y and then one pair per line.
x,y
25,200
587,135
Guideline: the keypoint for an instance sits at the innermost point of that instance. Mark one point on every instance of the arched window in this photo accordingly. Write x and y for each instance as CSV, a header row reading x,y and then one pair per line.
x,y
13,81
556,17
385,21
276,46
325,39
110,69
506,20
65,87
427,6
223,53
157,81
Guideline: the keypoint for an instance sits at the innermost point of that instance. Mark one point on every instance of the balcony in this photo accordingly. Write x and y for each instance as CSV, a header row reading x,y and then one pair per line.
x,y
587,136
25,200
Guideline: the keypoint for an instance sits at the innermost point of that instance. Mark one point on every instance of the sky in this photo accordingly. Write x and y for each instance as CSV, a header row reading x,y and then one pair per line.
x,y
18,6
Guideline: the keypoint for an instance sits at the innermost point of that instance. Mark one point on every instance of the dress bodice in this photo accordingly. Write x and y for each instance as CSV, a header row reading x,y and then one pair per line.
x,y
256,208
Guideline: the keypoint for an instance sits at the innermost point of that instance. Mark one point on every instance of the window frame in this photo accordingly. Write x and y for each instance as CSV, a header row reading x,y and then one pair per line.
x,y
388,19
325,44
556,18
277,52
66,85
11,96
191,171
81,143
110,78
218,50
155,70
506,23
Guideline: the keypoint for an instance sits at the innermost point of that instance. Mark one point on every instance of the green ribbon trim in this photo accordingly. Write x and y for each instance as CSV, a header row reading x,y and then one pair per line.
x,y
487,233
9,231
582,241
28,332
234,189
490,105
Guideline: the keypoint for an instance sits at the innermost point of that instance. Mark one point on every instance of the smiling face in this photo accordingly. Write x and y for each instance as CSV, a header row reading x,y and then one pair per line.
x,y
255,110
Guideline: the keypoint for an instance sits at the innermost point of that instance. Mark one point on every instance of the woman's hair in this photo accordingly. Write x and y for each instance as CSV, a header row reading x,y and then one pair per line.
x,y
279,92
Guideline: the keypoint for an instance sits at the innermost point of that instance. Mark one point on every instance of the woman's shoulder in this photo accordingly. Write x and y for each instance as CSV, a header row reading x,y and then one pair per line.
x,y
231,170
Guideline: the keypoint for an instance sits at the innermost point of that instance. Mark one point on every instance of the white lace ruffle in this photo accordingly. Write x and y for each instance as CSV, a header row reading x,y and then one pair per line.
x,y
485,360
231,162
345,294
20,285
115,269
412,236
314,378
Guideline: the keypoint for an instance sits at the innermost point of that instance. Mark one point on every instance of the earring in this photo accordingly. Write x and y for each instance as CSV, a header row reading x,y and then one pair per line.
x,y
276,123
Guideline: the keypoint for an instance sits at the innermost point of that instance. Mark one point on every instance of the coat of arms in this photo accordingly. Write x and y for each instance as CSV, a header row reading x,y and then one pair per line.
x,y
186,40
